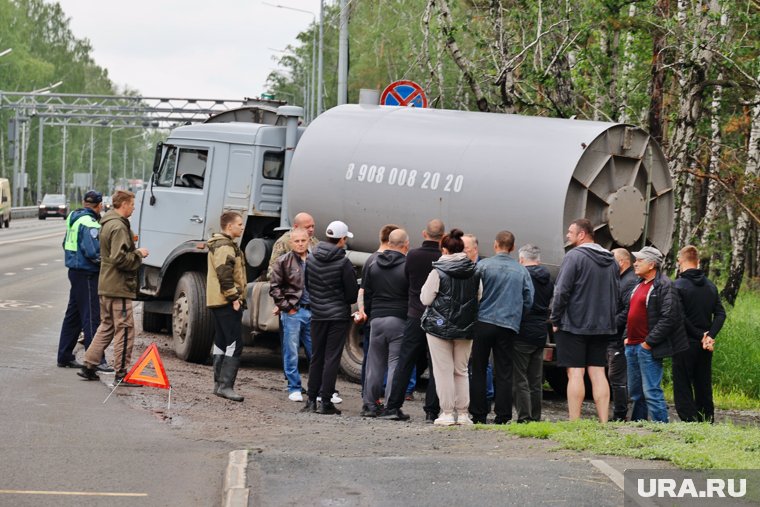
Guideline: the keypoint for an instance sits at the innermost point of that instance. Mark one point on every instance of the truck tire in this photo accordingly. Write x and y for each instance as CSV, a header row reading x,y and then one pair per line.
x,y
557,379
353,354
155,322
192,325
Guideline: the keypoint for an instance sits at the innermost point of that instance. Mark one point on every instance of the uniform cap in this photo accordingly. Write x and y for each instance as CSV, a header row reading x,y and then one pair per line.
x,y
93,197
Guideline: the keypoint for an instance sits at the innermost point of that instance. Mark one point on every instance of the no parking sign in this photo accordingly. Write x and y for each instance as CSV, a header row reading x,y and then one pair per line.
x,y
403,93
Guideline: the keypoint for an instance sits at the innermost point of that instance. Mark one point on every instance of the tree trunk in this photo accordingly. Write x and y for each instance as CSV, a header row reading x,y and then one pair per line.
x,y
628,62
657,83
464,64
751,171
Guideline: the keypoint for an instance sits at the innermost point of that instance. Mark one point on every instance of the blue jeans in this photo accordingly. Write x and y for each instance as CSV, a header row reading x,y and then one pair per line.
x,y
295,329
645,384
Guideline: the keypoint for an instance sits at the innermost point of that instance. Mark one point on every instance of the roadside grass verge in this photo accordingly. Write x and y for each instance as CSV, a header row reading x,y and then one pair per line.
x,y
686,445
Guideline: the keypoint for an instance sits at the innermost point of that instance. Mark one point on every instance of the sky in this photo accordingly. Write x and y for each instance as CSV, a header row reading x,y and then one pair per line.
x,y
218,49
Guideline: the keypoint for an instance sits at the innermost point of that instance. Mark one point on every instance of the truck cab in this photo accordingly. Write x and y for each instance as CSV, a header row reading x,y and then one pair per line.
x,y
199,172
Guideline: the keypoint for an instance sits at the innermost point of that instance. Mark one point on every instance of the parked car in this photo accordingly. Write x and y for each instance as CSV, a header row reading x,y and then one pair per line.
x,y
53,205
107,205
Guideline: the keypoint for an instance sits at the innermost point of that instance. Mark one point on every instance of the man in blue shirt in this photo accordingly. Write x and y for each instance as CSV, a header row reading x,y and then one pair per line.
x,y
82,248
507,293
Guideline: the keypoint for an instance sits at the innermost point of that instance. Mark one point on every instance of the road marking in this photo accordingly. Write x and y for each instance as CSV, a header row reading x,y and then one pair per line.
x,y
610,472
28,269
67,493
43,263
9,274
12,241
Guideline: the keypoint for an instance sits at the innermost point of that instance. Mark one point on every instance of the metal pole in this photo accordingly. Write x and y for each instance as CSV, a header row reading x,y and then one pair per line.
x,y
92,141
124,162
22,166
63,164
312,105
133,167
343,55
39,161
109,185
320,83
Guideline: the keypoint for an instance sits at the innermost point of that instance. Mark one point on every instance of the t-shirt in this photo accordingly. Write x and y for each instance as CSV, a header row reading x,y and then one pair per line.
x,y
638,326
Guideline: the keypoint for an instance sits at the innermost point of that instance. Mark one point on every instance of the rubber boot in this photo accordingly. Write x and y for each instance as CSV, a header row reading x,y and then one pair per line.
x,y
218,360
229,371
620,403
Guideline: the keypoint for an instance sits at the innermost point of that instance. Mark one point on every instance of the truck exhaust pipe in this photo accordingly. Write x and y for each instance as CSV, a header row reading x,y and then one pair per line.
x,y
291,115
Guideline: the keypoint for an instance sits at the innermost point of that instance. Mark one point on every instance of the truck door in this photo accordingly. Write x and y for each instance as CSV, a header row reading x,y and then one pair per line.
x,y
178,214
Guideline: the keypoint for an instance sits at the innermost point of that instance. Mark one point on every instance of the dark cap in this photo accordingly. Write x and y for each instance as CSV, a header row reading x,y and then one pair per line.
x,y
93,197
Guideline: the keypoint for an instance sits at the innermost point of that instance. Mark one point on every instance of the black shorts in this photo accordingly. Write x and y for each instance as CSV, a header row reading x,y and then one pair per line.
x,y
581,351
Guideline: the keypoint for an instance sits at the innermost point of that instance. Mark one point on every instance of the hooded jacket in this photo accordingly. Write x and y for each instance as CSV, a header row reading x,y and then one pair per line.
x,y
628,280
225,276
119,258
452,313
703,310
386,287
664,317
83,225
534,325
331,283
586,292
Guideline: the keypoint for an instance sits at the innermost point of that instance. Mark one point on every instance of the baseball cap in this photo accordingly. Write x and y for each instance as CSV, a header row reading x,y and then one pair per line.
x,y
338,229
93,197
649,254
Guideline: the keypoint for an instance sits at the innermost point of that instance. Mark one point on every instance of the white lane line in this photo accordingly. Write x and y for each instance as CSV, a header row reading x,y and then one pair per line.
x,y
70,493
9,274
28,269
35,238
58,260
610,472
43,264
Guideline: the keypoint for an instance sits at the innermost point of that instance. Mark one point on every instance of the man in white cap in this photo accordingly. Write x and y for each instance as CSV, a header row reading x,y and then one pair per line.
x,y
332,287
654,330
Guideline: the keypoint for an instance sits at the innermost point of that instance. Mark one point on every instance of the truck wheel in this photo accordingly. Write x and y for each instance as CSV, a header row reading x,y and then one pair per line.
x,y
155,322
353,353
192,326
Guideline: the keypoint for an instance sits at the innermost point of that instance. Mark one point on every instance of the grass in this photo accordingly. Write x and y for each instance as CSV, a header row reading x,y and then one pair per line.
x,y
686,445
736,376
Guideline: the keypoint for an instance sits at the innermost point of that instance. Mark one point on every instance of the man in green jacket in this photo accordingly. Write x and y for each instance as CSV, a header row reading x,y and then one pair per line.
x,y
120,261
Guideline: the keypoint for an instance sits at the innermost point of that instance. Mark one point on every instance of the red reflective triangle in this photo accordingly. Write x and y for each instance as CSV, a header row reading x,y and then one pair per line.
x,y
136,376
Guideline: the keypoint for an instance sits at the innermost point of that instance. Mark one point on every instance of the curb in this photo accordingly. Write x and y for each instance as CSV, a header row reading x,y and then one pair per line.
x,y
234,491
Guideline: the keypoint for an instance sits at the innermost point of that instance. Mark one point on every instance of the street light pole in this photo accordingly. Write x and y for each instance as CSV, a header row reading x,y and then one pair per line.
x,y
343,54
320,103
39,161
110,158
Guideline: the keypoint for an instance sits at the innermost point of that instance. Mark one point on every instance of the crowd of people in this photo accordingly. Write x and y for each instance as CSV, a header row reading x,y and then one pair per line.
x,y
614,316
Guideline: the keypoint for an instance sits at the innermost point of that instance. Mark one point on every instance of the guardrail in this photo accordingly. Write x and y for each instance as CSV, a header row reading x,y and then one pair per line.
x,y
24,212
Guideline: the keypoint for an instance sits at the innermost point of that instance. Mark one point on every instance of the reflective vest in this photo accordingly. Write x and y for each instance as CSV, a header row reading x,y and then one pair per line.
x,y
72,231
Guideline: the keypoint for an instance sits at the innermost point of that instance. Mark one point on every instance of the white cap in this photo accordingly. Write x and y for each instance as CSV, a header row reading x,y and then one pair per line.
x,y
337,230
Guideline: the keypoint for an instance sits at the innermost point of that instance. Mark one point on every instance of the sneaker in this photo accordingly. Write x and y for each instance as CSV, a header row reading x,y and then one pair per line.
x,y
295,396
335,398
369,411
70,364
309,407
446,420
393,414
104,368
328,408
464,419
430,417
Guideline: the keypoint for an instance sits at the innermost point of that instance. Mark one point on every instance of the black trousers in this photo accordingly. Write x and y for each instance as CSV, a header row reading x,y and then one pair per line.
x,y
228,339
617,373
413,347
692,384
328,337
82,313
500,340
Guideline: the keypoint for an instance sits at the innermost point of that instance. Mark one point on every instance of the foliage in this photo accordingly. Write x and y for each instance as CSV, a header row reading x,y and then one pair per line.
x,y
686,445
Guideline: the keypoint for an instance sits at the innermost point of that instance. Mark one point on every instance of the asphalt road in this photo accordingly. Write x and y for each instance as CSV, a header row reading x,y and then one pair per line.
x,y
60,444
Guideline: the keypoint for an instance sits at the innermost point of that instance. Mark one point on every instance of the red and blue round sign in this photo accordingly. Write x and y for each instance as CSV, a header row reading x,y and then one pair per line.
x,y
403,93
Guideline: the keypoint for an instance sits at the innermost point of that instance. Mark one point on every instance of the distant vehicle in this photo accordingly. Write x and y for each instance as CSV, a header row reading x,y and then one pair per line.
x,y
53,205
5,202
107,205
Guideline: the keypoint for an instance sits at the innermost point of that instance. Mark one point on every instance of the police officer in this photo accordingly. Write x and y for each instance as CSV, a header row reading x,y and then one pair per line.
x,y
82,249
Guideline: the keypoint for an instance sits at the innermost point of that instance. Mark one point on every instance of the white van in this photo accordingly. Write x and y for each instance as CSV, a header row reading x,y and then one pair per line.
x,y
5,202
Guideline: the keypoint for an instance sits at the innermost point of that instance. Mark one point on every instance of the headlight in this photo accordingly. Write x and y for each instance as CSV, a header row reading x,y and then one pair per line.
x,y
61,206
42,206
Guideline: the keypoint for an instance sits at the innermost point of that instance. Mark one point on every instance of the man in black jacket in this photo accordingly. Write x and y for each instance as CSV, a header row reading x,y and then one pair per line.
x,y
332,288
419,264
386,291
654,330
617,370
530,341
704,318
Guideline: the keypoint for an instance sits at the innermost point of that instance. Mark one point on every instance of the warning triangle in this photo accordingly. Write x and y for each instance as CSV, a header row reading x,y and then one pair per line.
x,y
148,359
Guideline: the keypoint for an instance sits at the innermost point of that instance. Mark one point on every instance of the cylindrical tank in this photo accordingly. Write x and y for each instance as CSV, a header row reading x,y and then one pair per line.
x,y
482,172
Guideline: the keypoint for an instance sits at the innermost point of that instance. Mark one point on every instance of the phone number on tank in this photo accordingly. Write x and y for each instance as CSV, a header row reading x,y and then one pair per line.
x,y
410,178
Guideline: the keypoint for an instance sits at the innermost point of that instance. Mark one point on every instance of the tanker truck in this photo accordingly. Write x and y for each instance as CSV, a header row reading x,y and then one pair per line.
x,y
372,165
